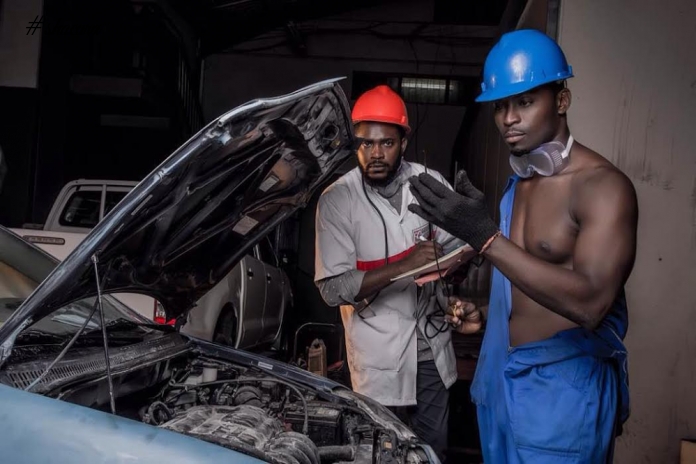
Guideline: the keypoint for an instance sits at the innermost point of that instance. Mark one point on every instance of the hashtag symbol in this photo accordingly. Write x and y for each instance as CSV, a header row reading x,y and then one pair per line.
x,y
34,25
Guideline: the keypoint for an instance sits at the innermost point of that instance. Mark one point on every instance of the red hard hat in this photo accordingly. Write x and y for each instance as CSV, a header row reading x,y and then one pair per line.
x,y
381,104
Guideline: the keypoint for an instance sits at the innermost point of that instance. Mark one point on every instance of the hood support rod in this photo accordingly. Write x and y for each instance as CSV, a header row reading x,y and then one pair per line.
x,y
95,260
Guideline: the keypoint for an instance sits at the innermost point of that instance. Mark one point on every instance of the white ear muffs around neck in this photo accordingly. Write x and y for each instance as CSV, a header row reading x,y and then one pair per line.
x,y
546,160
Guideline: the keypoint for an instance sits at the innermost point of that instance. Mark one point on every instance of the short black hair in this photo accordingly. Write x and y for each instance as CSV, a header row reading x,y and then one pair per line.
x,y
401,129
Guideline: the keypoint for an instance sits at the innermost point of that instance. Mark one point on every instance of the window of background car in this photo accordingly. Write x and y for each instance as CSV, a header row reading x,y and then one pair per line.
x,y
82,209
266,253
112,199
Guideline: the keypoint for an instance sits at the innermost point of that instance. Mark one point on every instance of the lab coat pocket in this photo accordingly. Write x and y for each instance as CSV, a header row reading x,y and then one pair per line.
x,y
376,342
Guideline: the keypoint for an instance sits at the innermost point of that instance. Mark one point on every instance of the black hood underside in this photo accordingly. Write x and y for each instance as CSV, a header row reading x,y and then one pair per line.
x,y
191,220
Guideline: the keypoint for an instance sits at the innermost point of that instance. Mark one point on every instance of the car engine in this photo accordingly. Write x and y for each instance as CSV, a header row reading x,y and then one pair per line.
x,y
235,404
268,418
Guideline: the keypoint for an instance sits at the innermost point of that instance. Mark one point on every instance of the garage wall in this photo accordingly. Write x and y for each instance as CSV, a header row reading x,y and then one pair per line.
x,y
19,65
634,101
19,46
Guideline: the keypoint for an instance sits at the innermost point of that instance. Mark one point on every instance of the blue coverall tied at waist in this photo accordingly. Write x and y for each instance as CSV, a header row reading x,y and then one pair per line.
x,y
559,400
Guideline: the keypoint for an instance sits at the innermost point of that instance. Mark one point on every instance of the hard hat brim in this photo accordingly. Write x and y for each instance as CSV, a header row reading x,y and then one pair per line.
x,y
510,90
405,127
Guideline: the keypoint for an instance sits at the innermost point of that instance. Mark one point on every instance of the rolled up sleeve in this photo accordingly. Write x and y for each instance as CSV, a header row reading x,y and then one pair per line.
x,y
341,289
335,249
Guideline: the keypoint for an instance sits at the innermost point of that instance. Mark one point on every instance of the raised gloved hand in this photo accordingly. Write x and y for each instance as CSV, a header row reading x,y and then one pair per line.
x,y
462,213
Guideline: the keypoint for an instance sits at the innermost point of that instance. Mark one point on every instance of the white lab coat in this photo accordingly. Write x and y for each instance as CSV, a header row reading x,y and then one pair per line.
x,y
381,349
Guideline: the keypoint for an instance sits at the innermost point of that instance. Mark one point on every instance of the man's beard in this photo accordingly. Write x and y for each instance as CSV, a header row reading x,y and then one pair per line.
x,y
391,174
519,153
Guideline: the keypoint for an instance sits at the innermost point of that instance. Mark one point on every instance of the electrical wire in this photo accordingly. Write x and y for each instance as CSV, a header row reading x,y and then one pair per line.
x,y
416,132
440,312
436,36
386,245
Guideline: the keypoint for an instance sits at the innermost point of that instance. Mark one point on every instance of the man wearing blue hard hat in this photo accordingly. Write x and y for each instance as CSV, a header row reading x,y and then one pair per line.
x,y
551,382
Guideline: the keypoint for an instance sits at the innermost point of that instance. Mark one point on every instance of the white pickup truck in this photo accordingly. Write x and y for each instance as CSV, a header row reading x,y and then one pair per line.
x,y
245,310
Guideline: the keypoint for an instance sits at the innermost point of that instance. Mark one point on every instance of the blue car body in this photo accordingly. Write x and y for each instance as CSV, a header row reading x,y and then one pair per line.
x,y
36,429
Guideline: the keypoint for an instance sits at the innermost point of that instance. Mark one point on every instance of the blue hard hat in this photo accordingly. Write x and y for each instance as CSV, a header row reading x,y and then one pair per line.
x,y
520,61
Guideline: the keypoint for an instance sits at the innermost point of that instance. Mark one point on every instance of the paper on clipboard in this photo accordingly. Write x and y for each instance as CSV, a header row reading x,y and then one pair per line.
x,y
446,264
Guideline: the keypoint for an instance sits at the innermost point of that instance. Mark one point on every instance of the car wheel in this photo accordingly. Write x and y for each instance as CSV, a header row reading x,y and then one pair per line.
x,y
226,327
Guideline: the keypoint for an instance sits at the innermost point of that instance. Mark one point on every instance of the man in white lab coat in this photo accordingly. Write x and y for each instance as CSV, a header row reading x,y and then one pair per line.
x,y
398,344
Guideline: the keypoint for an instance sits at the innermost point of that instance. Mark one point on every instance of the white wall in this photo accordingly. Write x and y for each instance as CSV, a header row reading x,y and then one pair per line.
x,y
234,78
634,101
19,52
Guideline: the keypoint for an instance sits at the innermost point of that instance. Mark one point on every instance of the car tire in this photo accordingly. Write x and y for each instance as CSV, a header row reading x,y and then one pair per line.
x,y
226,327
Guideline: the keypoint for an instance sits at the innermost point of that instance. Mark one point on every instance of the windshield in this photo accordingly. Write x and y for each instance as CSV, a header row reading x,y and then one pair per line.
x,y
23,267
68,319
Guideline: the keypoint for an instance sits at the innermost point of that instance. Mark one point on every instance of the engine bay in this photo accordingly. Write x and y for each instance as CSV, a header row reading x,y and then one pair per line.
x,y
247,410
259,415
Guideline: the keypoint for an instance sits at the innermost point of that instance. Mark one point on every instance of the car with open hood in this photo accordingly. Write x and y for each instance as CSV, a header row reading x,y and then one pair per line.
x,y
85,379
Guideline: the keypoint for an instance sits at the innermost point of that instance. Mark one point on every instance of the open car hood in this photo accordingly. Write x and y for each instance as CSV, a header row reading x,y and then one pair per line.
x,y
191,220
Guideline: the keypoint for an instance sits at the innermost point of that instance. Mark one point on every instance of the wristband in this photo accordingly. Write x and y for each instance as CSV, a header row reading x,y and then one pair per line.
x,y
490,240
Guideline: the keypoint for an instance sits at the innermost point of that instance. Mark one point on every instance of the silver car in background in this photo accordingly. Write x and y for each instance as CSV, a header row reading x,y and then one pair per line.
x,y
244,310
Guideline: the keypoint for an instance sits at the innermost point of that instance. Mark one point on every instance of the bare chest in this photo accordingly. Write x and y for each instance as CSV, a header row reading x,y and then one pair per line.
x,y
541,220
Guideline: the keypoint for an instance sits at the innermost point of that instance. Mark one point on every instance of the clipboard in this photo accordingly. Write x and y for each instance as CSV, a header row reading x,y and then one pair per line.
x,y
447,265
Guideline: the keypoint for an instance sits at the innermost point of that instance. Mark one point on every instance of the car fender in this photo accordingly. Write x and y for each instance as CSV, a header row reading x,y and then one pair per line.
x,y
203,318
69,433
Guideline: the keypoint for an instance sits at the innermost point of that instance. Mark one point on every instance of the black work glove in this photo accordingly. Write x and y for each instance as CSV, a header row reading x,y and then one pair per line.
x,y
462,213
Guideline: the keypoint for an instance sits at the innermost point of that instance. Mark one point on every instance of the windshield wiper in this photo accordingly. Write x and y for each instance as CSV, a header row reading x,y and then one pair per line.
x,y
122,324
32,336
39,336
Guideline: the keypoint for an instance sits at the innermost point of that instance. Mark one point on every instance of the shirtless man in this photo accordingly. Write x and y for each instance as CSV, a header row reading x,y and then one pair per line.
x,y
550,384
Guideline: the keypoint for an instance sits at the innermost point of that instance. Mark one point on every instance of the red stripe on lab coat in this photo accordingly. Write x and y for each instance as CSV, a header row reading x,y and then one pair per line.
x,y
377,263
